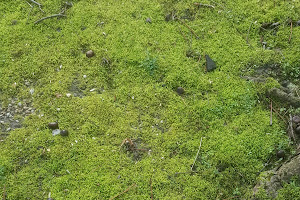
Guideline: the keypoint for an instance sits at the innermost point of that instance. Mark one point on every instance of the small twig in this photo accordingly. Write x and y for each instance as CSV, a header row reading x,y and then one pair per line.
x,y
193,32
291,31
51,16
204,5
271,121
38,4
284,120
196,155
151,188
133,185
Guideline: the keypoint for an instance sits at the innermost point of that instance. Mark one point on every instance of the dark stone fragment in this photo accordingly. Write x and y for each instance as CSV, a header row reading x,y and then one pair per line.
x,y
297,130
90,53
64,132
53,125
296,119
180,90
148,20
210,64
298,23
280,154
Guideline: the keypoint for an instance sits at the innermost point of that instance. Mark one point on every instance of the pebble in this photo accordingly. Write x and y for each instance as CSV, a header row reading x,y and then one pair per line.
x,y
55,132
53,125
68,95
210,64
31,91
27,112
90,53
64,133
296,119
148,20
84,76
280,154
297,130
180,90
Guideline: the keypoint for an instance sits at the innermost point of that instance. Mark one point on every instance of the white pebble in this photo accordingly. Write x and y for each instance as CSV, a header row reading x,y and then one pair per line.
x,y
31,91
55,132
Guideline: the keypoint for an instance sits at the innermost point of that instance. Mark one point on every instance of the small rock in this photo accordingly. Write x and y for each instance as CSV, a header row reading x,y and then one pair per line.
x,y
148,20
53,125
64,133
31,91
297,130
296,119
8,129
298,22
90,53
84,76
210,64
56,132
280,154
180,90
68,95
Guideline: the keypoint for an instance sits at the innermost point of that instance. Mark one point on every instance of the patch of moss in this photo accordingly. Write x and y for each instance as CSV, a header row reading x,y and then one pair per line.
x,y
128,90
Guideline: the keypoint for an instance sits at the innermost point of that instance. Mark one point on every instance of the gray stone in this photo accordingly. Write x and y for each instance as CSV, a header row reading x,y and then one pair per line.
x,y
148,20
210,64
55,132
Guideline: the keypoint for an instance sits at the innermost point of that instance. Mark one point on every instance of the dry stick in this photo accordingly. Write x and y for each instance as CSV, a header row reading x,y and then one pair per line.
x,y
271,122
284,120
123,191
38,4
56,15
291,32
193,32
197,155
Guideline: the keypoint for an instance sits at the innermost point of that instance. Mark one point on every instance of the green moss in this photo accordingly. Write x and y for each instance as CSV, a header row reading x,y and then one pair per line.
x,y
128,90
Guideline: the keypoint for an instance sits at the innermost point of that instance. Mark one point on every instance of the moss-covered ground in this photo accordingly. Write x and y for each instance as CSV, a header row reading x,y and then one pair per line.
x,y
128,90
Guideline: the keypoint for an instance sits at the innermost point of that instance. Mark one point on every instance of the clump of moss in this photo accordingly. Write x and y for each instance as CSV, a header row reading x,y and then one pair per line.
x,y
127,90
